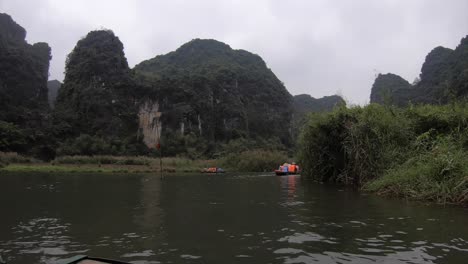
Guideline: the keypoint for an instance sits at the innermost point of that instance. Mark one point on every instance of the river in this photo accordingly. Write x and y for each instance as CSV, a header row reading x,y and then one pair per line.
x,y
231,218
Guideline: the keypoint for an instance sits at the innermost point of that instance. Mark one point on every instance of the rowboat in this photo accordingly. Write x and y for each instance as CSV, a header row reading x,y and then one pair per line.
x,y
213,170
282,173
83,259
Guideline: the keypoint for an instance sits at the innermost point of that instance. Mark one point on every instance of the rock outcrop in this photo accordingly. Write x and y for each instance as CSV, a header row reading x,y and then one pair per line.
x,y
150,123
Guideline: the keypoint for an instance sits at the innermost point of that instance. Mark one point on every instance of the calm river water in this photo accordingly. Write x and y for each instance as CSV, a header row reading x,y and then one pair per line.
x,y
218,219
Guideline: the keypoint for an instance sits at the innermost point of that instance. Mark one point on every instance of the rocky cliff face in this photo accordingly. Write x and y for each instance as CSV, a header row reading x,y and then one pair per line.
x,y
443,78
24,71
208,90
98,94
150,123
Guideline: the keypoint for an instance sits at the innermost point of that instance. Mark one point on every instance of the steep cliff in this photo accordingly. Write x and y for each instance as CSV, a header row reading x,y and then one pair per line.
x,y
207,90
24,71
97,97
443,78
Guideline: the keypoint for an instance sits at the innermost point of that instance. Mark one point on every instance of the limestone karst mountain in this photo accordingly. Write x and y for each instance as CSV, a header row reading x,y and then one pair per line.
x,y
207,90
443,78
24,70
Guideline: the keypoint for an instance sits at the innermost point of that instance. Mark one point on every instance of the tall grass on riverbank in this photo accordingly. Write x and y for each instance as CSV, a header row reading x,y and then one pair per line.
x,y
418,152
104,159
13,157
123,164
254,160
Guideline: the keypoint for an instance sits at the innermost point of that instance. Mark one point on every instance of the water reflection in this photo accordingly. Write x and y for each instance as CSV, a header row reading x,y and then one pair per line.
x,y
218,219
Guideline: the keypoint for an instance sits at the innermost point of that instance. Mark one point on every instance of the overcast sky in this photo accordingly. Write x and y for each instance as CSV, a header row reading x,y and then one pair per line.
x,y
315,47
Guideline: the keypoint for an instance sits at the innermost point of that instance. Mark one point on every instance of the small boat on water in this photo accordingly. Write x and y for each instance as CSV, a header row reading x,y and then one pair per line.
x,y
288,169
213,170
83,259
282,173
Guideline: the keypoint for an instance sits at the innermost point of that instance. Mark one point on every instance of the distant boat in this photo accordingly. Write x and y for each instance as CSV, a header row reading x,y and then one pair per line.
x,y
82,259
213,170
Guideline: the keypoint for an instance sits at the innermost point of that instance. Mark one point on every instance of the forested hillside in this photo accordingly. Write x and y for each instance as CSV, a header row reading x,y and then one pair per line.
x,y
208,91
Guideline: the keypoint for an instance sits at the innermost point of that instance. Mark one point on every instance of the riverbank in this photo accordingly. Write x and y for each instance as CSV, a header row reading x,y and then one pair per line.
x,y
245,161
88,168
106,164
418,152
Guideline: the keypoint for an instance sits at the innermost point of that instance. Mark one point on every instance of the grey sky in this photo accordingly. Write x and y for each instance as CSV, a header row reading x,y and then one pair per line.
x,y
315,47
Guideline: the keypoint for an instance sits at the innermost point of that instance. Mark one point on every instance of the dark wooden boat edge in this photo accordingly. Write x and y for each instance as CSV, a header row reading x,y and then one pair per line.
x,y
79,258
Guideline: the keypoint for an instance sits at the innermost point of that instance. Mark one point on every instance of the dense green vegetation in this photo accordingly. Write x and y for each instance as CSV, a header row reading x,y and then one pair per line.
x,y
217,94
304,104
417,152
53,88
96,111
443,78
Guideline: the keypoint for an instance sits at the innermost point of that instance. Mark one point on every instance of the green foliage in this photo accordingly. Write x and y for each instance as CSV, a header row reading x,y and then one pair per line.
x,y
439,173
95,145
13,157
53,87
254,160
220,94
396,150
23,91
304,104
103,159
95,111
12,137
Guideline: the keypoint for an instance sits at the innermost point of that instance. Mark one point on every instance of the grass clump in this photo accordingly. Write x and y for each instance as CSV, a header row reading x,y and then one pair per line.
x,y
439,174
418,152
254,160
